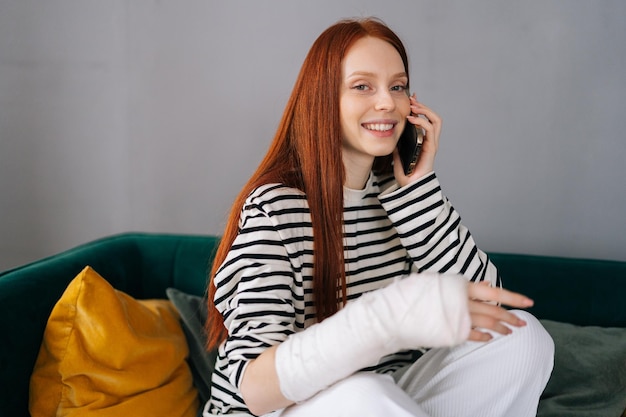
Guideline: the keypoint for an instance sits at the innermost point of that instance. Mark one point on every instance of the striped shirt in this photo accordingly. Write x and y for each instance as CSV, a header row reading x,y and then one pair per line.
x,y
264,286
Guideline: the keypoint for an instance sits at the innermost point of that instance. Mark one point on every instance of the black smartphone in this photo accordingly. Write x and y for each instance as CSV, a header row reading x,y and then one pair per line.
x,y
410,146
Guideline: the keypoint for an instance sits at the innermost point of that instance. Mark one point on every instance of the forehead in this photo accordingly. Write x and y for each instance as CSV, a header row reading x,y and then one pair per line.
x,y
372,55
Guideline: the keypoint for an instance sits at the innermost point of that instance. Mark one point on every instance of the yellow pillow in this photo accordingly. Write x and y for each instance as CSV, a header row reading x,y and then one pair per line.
x,y
105,353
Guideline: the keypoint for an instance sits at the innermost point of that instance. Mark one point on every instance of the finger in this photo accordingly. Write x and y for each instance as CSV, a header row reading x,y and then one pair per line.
x,y
482,284
499,295
431,137
478,336
421,122
431,128
491,323
421,109
424,109
492,314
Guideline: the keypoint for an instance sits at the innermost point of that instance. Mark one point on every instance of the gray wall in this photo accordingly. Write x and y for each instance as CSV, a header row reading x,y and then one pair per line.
x,y
136,115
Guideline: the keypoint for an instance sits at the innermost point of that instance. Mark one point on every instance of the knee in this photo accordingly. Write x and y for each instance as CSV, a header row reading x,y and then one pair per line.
x,y
367,393
362,387
532,345
534,336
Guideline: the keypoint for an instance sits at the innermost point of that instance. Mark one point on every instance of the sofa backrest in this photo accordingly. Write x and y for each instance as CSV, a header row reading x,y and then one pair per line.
x,y
586,292
578,291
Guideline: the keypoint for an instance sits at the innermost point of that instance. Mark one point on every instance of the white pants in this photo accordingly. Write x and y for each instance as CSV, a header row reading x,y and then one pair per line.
x,y
503,377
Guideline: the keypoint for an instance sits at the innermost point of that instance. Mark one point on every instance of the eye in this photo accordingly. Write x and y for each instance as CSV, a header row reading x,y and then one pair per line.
x,y
360,87
399,88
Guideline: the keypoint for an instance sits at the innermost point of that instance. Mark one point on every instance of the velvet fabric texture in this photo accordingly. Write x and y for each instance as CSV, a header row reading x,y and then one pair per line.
x,y
143,265
193,314
106,354
589,377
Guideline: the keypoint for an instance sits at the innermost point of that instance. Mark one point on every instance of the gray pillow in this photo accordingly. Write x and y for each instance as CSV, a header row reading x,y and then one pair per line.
x,y
589,376
193,313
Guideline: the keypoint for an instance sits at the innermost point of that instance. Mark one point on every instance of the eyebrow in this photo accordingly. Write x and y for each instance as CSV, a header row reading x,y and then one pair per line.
x,y
371,74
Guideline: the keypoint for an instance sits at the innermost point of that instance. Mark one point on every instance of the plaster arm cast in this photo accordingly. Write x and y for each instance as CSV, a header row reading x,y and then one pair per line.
x,y
421,310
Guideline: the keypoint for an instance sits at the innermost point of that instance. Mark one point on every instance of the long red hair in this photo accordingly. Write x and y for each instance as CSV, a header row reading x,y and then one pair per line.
x,y
306,154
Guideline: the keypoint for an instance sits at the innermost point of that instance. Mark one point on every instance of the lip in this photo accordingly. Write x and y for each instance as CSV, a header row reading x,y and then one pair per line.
x,y
380,124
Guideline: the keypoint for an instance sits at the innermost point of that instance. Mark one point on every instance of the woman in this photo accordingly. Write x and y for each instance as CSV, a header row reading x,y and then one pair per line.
x,y
336,267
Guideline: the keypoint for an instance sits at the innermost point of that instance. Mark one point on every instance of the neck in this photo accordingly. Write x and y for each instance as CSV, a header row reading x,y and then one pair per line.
x,y
357,175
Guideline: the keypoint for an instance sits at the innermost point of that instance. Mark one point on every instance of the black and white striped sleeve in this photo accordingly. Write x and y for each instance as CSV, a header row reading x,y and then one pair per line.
x,y
254,292
432,232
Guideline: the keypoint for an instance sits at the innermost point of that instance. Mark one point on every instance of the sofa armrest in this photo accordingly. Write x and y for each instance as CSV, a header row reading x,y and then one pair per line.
x,y
27,296
142,265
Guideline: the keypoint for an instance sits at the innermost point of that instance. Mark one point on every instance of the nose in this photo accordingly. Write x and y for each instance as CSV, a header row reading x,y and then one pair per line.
x,y
384,101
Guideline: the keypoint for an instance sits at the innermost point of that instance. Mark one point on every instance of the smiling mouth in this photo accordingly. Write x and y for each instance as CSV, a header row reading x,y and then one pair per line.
x,y
379,127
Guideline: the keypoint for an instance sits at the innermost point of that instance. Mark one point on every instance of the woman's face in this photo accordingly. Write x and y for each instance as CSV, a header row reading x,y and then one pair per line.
x,y
373,101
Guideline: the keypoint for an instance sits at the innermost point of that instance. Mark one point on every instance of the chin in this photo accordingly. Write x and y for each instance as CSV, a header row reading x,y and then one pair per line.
x,y
388,150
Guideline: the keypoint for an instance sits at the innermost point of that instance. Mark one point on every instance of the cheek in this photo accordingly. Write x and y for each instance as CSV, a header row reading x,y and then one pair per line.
x,y
348,115
405,107
347,107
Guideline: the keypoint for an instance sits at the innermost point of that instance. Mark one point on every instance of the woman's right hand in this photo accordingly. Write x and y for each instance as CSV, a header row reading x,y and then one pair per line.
x,y
422,117
486,314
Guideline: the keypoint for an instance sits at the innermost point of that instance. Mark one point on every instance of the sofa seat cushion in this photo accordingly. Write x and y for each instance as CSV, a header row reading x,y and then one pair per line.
x,y
589,376
105,353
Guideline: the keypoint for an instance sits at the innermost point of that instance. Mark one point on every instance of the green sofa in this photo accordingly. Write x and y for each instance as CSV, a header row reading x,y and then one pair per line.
x,y
581,302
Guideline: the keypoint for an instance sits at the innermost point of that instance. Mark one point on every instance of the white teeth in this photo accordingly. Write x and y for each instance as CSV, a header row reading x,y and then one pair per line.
x,y
380,127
